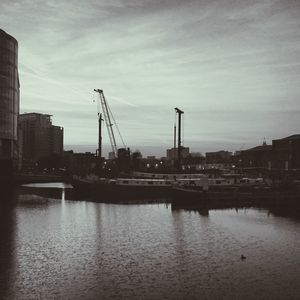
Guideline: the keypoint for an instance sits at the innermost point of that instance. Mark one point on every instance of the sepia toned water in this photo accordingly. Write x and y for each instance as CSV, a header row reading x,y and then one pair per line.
x,y
55,248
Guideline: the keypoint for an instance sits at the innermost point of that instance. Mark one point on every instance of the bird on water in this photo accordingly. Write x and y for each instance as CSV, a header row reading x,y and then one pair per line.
x,y
243,257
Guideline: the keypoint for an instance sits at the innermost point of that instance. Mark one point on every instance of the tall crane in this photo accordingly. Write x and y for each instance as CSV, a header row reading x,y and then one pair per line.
x,y
108,118
179,112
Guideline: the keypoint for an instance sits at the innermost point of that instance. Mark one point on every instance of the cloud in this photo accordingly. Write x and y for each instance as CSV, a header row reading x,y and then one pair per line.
x,y
225,63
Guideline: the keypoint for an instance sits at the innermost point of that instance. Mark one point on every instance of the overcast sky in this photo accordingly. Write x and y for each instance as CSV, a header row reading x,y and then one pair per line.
x,y
232,66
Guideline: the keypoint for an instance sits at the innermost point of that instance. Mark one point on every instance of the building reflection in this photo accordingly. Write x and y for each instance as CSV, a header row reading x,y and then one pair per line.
x,y
7,243
180,240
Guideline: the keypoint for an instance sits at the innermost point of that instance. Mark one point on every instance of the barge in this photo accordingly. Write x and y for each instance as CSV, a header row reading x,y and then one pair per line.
x,y
234,196
120,189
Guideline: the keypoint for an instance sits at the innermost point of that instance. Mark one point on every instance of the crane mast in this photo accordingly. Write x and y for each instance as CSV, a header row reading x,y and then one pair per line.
x,y
179,112
100,135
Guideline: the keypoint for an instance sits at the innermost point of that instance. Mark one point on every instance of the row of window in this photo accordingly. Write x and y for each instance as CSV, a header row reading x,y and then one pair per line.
x,y
7,70
8,56
8,46
9,82
148,182
8,125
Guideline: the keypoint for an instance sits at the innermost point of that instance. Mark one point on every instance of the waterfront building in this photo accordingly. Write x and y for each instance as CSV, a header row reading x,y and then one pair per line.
x,y
196,154
40,138
218,157
194,161
286,153
257,157
9,102
172,154
151,157
80,163
278,161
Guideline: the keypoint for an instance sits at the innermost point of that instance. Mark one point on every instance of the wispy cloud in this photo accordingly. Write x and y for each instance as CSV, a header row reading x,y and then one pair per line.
x,y
207,57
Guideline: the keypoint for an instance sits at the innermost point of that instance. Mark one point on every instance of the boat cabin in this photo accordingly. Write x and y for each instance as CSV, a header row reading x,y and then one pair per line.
x,y
140,182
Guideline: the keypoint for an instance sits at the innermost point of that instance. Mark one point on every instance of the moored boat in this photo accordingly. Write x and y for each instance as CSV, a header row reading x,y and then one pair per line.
x,y
120,189
104,189
237,196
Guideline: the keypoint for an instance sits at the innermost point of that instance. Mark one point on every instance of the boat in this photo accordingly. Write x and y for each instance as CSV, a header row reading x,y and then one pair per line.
x,y
120,189
169,176
190,191
238,195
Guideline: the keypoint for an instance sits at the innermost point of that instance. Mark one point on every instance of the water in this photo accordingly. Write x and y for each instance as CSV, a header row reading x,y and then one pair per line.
x,y
55,248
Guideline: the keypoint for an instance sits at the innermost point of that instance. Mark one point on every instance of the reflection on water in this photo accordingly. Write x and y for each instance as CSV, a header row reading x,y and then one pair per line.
x,y
7,243
52,247
42,192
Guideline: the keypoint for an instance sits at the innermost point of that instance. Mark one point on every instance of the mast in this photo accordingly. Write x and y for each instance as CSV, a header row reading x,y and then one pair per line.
x,y
174,137
179,112
100,136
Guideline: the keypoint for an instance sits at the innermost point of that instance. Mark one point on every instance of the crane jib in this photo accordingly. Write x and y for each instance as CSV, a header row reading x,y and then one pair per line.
x,y
108,118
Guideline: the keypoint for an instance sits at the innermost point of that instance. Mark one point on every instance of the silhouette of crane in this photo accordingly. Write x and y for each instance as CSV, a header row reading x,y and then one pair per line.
x,y
108,118
179,112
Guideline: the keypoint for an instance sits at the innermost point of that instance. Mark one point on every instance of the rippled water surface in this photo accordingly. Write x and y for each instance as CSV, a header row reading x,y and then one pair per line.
x,y
52,247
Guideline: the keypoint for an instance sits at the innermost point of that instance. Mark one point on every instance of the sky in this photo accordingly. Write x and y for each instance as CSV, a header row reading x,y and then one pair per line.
x,y
232,66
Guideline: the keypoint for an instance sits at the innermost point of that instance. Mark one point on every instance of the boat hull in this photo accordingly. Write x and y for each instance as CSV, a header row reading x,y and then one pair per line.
x,y
107,192
187,197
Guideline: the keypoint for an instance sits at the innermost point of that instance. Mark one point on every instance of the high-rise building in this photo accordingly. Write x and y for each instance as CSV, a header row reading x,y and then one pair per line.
x,y
9,102
40,138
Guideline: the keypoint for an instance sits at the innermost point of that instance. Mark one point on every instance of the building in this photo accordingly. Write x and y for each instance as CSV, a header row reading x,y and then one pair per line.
x,y
279,159
151,157
286,153
196,154
40,138
257,157
218,157
9,102
111,155
80,163
172,154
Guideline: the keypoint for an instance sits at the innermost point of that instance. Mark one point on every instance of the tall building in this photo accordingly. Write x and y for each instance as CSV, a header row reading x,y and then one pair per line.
x,y
9,102
39,137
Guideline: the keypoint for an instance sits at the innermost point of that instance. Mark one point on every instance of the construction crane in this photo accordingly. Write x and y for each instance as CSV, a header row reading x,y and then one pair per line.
x,y
179,148
109,122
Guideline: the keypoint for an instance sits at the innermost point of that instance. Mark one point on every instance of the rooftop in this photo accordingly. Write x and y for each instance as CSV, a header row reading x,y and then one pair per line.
x,y
260,148
3,33
292,137
34,113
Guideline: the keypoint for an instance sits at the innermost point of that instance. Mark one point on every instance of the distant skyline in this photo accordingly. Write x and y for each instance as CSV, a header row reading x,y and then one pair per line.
x,y
232,66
